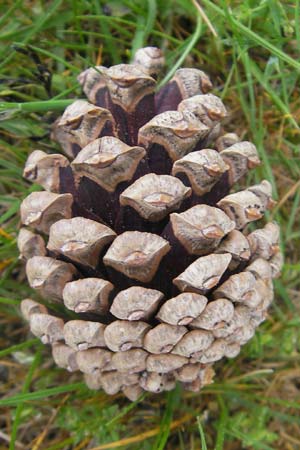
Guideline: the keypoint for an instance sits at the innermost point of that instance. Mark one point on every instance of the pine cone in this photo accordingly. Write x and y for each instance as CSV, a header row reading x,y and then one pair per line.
x,y
146,244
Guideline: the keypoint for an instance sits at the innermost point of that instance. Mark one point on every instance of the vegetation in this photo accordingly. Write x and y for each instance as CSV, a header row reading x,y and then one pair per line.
x,y
251,51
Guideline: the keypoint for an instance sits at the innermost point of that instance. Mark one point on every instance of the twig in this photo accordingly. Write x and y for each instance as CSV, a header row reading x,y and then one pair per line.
x,y
41,437
205,18
6,438
288,194
142,436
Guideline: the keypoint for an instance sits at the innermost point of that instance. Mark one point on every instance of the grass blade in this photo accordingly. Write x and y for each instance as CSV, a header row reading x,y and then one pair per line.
x,y
35,28
43,106
254,37
43,393
142,32
189,46
18,347
35,363
173,399
222,423
202,435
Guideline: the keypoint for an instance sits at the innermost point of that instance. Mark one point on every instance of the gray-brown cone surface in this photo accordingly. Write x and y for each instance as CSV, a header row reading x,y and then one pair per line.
x,y
139,233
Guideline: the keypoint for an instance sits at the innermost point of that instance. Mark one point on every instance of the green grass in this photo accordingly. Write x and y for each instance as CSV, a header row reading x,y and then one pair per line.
x,y
253,58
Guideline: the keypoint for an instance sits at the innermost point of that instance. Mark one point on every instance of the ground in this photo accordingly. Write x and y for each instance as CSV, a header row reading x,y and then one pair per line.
x,y
251,51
